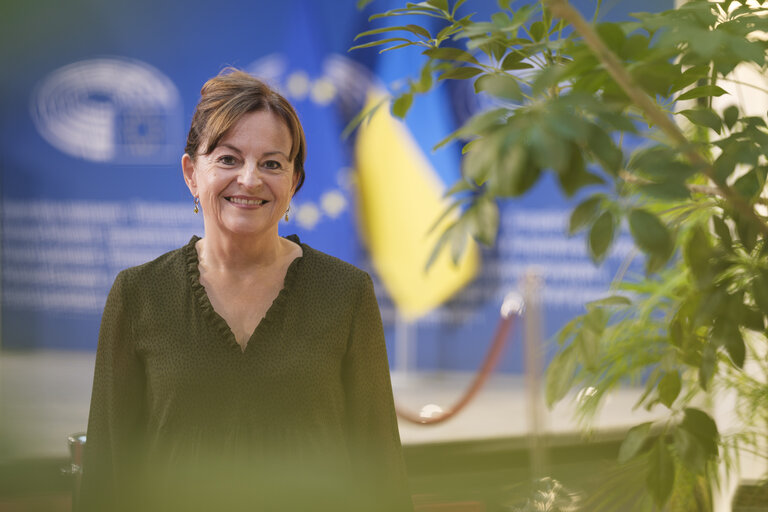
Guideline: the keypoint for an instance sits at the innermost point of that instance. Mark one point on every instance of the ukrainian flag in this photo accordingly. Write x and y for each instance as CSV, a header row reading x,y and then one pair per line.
x,y
401,196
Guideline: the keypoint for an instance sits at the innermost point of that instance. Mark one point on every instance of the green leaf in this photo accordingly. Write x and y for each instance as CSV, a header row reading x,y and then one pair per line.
x,y
396,47
513,61
413,29
440,4
669,191
697,252
455,54
478,161
723,231
669,388
634,48
546,78
602,146
515,174
703,91
617,121
735,153
444,239
613,300
537,31
612,35
569,329
654,76
459,239
634,442
730,116
492,48
575,176
660,163
402,104
546,17
456,6
689,450
501,20
735,347
759,288
747,231
559,375
708,365
601,235
751,183
445,213
485,220
587,343
650,234
689,76
425,80
661,473
382,41
476,125
461,185
501,86
758,135
703,428
583,214
705,117
726,333
461,73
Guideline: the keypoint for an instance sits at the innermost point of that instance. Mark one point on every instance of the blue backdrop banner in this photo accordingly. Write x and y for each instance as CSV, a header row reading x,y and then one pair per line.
x,y
96,101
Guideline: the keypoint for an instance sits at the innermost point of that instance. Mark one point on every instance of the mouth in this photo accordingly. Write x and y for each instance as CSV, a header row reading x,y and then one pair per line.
x,y
244,201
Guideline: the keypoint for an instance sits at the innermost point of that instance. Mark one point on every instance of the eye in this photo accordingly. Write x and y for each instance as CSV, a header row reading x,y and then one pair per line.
x,y
272,165
227,160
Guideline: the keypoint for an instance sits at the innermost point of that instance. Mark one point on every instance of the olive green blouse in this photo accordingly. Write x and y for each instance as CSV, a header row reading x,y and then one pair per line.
x,y
183,419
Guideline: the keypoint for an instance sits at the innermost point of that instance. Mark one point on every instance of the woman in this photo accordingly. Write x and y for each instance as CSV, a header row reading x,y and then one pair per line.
x,y
244,371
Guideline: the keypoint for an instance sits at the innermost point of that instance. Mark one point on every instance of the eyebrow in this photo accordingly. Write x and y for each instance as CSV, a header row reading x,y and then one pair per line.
x,y
268,153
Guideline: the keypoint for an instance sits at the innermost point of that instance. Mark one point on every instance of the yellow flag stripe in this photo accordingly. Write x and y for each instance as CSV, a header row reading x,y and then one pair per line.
x,y
400,197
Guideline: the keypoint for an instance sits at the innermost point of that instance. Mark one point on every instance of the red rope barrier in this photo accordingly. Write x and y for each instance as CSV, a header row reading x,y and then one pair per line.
x,y
489,364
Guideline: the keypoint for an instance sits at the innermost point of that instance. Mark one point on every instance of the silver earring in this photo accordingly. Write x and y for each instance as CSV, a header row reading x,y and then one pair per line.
x,y
197,205
286,213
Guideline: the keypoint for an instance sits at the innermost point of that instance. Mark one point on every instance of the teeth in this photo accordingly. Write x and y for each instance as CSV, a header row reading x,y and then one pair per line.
x,y
240,200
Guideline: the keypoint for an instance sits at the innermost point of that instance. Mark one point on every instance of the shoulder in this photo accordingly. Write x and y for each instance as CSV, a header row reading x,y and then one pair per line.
x,y
330,275
331,266
163,270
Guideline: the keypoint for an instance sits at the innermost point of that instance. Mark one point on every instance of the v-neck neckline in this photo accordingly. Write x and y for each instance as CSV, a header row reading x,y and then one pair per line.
x,y
215,319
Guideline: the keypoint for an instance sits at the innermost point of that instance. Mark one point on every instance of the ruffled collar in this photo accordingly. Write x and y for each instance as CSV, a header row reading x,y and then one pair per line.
x,y
275,311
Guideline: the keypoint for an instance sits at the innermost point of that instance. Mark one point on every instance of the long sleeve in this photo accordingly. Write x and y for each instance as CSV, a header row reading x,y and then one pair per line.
x,y
372,433
112,449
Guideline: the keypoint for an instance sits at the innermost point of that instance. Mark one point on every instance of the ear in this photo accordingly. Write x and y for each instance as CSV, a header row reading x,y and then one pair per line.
x,y
188,168
295,182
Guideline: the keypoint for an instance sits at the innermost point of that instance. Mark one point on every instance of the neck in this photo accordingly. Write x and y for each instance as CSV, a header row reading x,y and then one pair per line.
x,y
233,254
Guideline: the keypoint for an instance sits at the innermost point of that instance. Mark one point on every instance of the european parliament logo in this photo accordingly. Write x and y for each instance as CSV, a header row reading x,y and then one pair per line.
x,y
114,110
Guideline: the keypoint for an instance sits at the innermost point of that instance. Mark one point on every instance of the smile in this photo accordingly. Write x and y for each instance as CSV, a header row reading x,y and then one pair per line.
x,y
246,202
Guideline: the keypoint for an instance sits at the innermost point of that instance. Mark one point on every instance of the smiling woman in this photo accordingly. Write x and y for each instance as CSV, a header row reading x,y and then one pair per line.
x,y
243,371
246,183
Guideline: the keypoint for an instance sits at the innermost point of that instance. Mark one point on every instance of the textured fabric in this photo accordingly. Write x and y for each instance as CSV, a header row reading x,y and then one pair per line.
x,y
182,419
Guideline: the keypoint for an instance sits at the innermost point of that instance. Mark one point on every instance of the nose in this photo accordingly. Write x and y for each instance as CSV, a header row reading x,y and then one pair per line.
x,y
250,176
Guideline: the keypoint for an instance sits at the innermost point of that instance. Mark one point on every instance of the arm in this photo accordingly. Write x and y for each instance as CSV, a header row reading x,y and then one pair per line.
x,y
115,421
374,440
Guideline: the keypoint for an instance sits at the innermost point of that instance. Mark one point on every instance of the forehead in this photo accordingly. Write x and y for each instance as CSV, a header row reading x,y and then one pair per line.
x,y
261,129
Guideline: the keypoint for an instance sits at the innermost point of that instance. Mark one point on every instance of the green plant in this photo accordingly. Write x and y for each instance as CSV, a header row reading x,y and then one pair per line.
x,y
568,91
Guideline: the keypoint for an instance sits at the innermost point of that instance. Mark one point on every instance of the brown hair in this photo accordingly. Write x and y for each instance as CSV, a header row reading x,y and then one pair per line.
x,y
228,97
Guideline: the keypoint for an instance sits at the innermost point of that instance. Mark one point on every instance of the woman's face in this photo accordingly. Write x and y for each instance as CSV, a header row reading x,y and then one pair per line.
x,y
246,183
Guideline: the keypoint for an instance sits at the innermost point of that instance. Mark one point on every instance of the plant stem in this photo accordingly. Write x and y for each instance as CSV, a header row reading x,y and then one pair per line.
x,y
563,9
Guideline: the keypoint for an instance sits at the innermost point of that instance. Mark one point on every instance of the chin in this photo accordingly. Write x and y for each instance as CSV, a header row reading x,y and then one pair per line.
x,y
248,228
